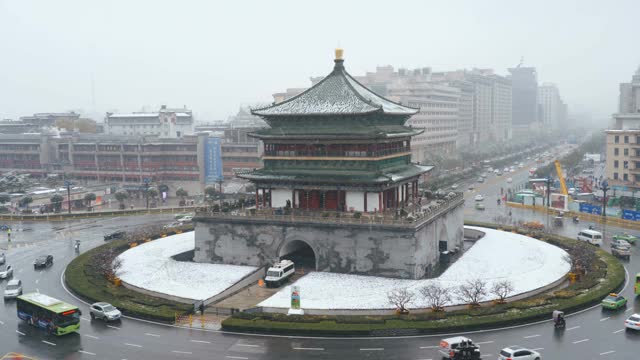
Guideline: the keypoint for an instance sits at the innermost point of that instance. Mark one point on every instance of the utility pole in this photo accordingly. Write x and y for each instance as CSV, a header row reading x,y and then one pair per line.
x,y
146,190
605,188
68,184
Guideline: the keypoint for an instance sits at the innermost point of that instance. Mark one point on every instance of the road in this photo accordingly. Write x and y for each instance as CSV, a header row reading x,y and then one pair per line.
x,y
592,334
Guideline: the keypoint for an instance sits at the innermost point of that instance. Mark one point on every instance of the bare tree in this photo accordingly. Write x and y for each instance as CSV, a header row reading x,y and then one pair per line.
x,y
437,296
581,258
400,297
502,290
471,291
107,263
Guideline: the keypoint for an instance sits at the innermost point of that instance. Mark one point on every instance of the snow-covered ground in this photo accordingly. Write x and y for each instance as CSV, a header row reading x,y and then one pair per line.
x,y
528,263
150,266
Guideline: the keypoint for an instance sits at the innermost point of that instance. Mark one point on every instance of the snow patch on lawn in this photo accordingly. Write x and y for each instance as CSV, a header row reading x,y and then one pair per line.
x,y
528,263
150,266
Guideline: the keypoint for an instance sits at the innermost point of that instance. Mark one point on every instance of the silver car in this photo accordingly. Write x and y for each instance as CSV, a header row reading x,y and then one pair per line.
x,y
104,311
13,289
6,271
519,353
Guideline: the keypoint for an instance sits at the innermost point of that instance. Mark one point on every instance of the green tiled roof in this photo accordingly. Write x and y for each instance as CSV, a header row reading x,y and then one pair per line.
x,y
346,131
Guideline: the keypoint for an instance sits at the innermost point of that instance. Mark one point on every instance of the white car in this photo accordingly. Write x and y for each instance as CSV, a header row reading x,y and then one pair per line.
x,y
185,219
6,271
13,289
518,353
479,197
633,322
104,311
454,186
509,180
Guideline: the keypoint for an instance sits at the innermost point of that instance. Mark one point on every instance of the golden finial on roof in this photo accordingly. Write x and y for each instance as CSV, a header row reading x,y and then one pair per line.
x,y
339,53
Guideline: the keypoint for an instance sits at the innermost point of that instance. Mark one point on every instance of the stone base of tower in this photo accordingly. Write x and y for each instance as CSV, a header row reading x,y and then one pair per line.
x,y
408,250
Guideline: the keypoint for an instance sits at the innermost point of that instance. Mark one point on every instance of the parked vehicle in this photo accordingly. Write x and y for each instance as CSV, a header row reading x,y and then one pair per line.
x,y
621,249
518,353
45,312
3,258
279,273
613,301
6,271
43,261
13,289
459,348
115,235
591,236
633,322
104,311
627,237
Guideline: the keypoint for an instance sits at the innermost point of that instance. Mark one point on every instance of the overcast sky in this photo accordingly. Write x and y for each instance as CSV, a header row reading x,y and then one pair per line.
x,y
216,55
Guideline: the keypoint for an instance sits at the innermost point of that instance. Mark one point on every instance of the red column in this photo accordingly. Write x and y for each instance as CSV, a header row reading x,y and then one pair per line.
x,y
293,199
365,201
380,201
257,196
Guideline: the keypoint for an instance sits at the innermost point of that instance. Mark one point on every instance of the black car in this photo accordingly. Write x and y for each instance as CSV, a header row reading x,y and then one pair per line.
x,y
43,261
115,235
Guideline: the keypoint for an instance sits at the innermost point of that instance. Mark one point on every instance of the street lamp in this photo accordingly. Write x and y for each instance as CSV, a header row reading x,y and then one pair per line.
x,y
146,191
605,188
68,184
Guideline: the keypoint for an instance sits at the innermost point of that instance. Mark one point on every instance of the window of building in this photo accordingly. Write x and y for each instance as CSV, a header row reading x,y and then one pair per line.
x,y
626,164
615,176
616,151
617,139
637,139
626,152
615,164
625,177
626,139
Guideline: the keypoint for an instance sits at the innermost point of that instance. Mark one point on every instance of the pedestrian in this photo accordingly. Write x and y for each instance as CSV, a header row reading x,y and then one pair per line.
x,y
201,308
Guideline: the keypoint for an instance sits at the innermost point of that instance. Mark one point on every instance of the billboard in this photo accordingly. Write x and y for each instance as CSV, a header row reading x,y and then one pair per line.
x,y
591,209
212,160
559,201
631,215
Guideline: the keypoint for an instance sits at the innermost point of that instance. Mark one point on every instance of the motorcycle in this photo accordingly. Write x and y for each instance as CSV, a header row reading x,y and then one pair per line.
x,y
558,320
77,246
576,220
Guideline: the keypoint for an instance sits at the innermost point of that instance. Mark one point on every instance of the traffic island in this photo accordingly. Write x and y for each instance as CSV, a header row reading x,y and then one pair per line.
x,y
606,275
85,278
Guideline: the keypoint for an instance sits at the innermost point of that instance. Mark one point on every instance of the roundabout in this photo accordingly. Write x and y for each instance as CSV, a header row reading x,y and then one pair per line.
x,y
590,334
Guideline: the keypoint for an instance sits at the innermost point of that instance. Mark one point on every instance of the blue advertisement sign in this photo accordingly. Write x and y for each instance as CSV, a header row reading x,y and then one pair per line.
x,y
212,160
591,209
631,215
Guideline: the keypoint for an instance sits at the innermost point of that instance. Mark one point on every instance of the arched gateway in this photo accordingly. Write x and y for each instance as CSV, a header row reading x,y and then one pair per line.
x,y
300,252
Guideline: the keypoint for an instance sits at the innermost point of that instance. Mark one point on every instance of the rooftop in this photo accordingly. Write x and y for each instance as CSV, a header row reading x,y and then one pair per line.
x,y
337,94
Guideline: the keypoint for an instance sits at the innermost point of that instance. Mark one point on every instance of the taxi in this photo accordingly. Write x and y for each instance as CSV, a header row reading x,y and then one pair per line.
x,y
626,237
614,301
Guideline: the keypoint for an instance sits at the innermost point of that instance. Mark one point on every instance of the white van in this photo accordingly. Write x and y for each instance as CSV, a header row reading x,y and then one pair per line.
x,y
591,236
279,273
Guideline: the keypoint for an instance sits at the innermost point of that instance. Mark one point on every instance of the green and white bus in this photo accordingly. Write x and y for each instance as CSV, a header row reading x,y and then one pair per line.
x,y
53,315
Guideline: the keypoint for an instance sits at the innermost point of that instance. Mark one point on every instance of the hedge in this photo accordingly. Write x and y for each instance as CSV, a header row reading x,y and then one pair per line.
x,y
606,276
83,279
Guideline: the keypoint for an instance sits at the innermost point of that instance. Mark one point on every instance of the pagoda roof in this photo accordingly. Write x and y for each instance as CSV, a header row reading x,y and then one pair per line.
x,y
337,94
336,132
336,177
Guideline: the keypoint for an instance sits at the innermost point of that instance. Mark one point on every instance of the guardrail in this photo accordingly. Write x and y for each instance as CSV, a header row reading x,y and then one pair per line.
x,y
85,215
413,219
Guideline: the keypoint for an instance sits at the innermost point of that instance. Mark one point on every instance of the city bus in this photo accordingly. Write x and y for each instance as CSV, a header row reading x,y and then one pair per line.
x,y
637,285
53,315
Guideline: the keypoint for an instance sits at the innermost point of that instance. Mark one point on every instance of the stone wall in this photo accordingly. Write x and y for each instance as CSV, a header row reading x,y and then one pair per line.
x,y
369,249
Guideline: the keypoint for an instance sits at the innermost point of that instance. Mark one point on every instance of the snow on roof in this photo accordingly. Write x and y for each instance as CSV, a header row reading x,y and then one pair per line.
x,y
528,263
150,266
145,115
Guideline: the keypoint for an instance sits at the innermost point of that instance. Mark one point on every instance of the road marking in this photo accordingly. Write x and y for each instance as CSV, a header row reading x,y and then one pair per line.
x,y
21,333
149,334
134,345
84,318
248,345
573,328
531,336
48,343
628,310
485,342
181,352
538,349
201,341
91,336
429,347
604,319
487,355
580,341
372,349
85,352
607,352
1,322
37,281
311,349
617,331
113,327
237,357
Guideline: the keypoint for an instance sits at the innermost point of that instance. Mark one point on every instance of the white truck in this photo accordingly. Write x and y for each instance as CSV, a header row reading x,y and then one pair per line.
x,y
279,273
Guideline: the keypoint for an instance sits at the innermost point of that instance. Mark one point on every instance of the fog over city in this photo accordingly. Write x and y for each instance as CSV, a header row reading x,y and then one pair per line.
x,y
215,56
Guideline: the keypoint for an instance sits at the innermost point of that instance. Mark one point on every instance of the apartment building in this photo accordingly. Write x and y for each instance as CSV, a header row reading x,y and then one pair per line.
x,y
552,108
164,123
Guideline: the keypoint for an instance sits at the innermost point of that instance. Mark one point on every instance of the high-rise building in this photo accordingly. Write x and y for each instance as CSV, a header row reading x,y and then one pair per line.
x,y
524,88
553,109
623,140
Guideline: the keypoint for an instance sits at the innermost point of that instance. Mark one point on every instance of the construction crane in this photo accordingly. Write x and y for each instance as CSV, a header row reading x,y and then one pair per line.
x,y
563,185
